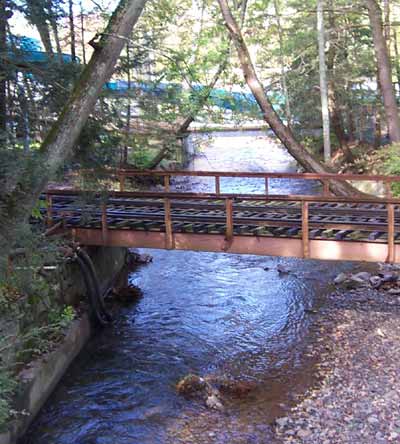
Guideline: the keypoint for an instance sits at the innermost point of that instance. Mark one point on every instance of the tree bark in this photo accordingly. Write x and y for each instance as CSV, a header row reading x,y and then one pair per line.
x,y
333,98
284,134
396,58
52,18
3,72
377,127
72,29
37,16
386,30
58,147
83,36
384,70
323,81
128,107
288,113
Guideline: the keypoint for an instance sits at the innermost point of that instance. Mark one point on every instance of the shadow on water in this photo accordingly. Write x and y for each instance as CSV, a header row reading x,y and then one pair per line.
x,y
211,314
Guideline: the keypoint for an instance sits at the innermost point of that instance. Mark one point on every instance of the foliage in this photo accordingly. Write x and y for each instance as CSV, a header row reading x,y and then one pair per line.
x,y
392,165
38,322
41,339
7,388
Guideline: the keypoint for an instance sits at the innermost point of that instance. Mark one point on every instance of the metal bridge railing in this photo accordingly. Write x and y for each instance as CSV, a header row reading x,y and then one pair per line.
x,y
169,198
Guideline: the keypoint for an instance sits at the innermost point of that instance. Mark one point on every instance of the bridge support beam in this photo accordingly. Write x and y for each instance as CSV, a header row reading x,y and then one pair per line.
x,y
257,245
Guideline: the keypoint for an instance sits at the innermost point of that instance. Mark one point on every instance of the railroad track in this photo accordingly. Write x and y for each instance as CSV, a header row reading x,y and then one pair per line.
x,y
344,221
324,227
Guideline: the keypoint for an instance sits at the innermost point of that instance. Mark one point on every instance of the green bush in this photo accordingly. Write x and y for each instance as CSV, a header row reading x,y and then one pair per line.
x,y
392,165
7,388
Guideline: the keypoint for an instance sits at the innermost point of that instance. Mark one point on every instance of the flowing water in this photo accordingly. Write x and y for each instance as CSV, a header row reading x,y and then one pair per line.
x,y
210,314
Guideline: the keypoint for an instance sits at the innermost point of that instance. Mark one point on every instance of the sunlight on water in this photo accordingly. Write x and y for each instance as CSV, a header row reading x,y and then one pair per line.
x,y
204,313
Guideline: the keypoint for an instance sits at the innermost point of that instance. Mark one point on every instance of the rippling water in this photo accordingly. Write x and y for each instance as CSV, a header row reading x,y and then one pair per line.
x,y
203,313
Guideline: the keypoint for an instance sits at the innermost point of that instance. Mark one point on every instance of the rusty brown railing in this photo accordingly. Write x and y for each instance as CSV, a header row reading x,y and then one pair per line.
x,y
323,178
169,198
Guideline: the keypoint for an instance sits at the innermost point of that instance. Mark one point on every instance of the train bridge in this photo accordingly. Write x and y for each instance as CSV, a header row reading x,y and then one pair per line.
x,y
320,226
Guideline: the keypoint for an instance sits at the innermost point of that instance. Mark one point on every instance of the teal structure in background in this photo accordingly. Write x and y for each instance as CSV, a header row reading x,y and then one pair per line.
x,y
26,51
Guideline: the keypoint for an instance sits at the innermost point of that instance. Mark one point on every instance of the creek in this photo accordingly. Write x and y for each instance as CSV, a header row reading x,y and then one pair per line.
x,y
215,314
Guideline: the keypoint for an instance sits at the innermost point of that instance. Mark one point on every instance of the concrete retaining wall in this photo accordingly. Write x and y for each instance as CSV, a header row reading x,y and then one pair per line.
x,y
108,262
39,380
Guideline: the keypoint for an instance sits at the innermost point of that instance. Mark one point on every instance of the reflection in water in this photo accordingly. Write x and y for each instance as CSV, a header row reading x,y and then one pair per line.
x,y
203,313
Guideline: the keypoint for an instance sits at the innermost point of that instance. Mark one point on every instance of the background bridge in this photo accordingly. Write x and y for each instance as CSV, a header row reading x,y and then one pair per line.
x,y
318,227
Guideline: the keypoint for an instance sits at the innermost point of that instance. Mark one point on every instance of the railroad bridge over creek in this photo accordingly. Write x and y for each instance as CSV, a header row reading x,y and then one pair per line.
x,y
306,226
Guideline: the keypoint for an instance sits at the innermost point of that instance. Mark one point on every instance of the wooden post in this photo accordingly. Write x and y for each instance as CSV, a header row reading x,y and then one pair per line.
x,y
388,188
169,236
217,185
49,203
104,223
122,182
326,188
391,245
166,184
266,186
304,230
229,220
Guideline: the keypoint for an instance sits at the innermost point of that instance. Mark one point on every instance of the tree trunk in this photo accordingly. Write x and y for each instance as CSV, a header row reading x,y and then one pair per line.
x,y
52,17
378,113
128,108
288,113
59,144
285,135
396,58
334,109
37,16
323,81
3,72
384,70
24,126
377,127
72,29
386,31
349,111
83,36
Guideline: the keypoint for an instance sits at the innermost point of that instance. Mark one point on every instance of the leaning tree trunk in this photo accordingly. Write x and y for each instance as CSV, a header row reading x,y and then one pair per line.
x,y
59,144
323,83
384,70
283,133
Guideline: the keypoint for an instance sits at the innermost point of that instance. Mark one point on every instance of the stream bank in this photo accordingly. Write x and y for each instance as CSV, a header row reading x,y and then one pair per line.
x,y
42,331
357,399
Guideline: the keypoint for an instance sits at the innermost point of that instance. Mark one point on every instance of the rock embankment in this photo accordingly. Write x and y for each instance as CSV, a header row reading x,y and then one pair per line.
x,y
386,279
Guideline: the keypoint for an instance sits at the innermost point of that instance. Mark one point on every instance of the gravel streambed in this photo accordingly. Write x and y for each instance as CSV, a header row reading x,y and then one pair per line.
x,y
358,368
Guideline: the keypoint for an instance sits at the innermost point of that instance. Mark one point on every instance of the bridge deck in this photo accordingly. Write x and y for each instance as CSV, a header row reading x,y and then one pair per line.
x,y
319,227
